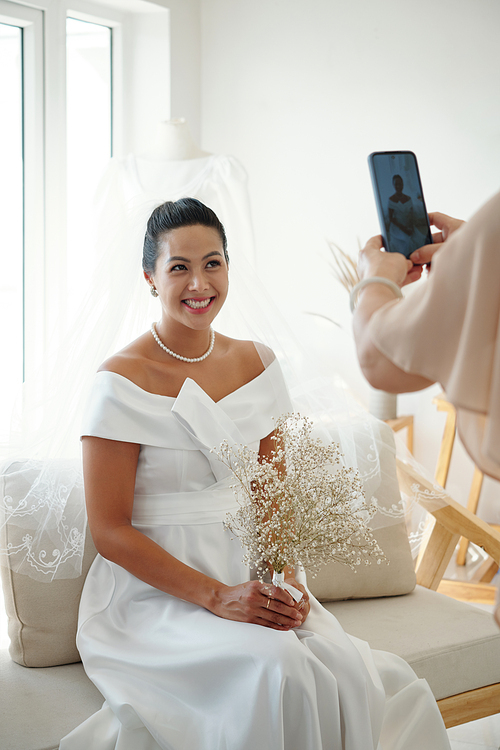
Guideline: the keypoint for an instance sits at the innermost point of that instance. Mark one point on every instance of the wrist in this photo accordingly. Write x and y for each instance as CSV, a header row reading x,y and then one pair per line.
x,y
381,288
378,293
383,268
214,596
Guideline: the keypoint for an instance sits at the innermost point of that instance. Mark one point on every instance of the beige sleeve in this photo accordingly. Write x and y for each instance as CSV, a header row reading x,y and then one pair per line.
x,y
448,330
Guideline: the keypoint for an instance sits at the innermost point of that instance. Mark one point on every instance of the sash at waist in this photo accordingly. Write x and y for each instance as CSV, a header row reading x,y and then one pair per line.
x,y
175,508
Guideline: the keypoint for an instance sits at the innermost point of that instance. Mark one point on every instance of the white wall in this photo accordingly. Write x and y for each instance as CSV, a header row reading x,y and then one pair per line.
x,y
301,92
162,64
146,77
185,41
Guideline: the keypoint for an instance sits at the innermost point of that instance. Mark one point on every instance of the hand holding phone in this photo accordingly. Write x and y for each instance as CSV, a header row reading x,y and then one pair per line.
x,y
372,261
399,197
446,226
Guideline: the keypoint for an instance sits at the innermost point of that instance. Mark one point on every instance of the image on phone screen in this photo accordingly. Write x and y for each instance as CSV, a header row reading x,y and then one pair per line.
x,y
400,202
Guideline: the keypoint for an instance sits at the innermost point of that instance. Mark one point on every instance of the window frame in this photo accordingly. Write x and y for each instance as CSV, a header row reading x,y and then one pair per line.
x,y
114,20
31,21
45,292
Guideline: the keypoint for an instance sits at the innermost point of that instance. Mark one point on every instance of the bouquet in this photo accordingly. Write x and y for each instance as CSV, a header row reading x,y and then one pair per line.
x,y
299,506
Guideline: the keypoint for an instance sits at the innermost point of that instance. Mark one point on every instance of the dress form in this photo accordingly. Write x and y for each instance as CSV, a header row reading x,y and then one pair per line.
x,y
173,142
174,167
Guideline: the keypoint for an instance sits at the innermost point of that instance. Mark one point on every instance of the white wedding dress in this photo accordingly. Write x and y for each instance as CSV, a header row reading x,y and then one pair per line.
x,y
400,241
175,676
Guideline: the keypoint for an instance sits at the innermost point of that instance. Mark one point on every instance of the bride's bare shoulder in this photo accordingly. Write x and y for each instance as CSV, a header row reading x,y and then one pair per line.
x,y
129,362
253,357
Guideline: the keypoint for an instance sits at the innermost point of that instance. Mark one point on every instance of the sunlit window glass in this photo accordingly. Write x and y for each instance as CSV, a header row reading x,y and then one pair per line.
x,y
11,224
89,142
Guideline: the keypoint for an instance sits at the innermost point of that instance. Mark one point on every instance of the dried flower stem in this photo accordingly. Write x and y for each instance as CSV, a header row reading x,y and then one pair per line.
x,y
344,267
300,505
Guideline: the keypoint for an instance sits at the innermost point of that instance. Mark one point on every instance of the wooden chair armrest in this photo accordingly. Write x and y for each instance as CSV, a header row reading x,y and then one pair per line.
x,y
452,521
451,515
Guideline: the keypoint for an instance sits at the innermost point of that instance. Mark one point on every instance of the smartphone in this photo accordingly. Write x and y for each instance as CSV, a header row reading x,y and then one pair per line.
x,y
402,214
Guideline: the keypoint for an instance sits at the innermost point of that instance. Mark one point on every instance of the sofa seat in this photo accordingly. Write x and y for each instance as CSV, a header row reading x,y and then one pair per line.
x,y
39,706
453,645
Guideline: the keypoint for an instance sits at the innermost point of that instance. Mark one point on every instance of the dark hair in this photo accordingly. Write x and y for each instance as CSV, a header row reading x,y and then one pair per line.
x,y
186,212
396,176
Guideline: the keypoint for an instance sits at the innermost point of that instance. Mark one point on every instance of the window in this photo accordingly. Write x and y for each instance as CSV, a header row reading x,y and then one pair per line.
x,y
62,115
53,149
35,164
11,226
20,139
89,110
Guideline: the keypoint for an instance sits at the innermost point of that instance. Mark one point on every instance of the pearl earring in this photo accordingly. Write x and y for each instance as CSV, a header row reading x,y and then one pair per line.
x,y
153,291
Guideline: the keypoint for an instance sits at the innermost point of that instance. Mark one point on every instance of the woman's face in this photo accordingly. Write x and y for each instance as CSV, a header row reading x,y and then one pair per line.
x,y
191,275
398,184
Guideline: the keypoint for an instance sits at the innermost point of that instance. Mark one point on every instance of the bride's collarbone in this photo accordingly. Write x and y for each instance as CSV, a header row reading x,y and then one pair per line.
x,y
399,198
217,379
223,372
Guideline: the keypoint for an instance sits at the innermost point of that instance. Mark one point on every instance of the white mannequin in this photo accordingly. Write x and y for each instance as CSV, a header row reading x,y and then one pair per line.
x,y
173,142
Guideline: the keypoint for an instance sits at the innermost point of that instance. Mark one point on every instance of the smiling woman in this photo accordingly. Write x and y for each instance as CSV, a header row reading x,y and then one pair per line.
x,y
190,276
185,264
185,647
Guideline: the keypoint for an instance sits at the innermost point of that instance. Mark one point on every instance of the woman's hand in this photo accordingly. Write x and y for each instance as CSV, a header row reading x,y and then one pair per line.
x,y
303,606
446,225
261,604
373,261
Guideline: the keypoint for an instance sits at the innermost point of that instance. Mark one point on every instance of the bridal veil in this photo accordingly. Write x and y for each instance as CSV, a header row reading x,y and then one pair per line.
x,y
42,535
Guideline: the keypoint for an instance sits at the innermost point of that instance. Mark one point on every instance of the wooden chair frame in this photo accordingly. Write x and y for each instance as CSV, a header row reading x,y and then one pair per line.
x,y
441,475
451,522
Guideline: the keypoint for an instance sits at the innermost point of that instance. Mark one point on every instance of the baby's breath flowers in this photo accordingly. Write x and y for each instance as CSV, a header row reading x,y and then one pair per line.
x,y
301,505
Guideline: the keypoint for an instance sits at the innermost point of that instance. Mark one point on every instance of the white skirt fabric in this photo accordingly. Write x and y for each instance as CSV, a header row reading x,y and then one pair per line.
x,y
177,677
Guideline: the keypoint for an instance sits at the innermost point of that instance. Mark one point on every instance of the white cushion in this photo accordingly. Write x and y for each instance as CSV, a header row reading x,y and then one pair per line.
x,y
42,616
453,645
336,581
40,706
391,578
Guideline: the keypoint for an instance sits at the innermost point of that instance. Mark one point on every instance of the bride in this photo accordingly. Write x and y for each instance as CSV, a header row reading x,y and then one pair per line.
x,y
187,650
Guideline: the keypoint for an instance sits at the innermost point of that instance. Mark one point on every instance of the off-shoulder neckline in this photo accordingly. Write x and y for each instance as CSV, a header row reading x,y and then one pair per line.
x,y
173,398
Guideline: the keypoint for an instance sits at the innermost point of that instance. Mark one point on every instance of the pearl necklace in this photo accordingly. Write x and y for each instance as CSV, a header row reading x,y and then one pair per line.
x,y
178,356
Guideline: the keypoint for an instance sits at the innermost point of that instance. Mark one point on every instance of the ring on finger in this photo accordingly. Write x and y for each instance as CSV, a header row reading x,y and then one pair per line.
x,y
268,602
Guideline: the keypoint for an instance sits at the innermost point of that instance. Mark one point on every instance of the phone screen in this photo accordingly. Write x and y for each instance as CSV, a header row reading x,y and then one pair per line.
x,y
400,201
